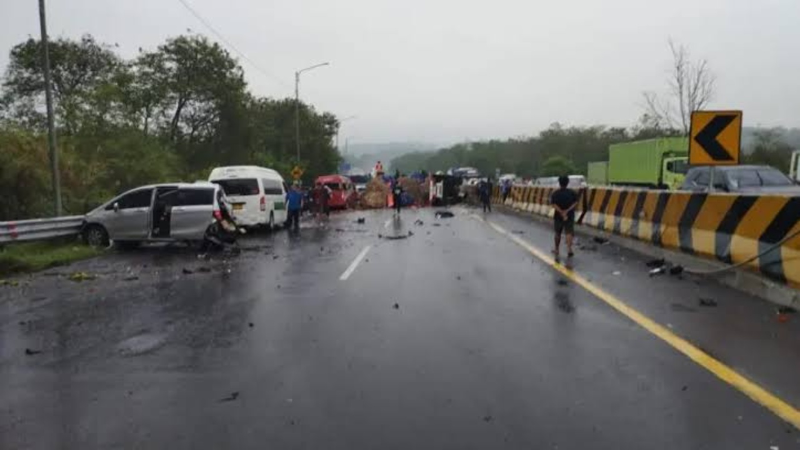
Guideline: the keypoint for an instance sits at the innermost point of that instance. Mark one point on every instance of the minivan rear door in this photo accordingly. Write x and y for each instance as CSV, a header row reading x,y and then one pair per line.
x,y
246,197
192,213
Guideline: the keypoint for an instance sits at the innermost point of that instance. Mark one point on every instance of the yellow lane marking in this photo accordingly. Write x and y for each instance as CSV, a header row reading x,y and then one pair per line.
x,y
725,373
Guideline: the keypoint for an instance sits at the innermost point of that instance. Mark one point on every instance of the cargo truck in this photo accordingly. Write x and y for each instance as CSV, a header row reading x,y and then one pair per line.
x,y
654,163
597,173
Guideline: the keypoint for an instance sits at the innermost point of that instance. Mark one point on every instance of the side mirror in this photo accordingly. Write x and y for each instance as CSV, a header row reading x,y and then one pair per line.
x,y
116,207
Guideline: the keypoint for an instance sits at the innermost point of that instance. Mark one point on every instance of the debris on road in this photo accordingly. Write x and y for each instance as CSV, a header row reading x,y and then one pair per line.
x,y
80,276
444,215
396,306
657,271
590,248
600,240
232,397
132,278
187,271
561,282
274,257
517,232
709,302
458,277
361,220
250,325
676,270
410,233
487,418
30,352
418,222
437,224
203,269
784,312
395,238
655,263
616,272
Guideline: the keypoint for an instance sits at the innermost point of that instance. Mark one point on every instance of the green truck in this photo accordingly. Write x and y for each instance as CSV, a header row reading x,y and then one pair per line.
x,y
654,163
597,173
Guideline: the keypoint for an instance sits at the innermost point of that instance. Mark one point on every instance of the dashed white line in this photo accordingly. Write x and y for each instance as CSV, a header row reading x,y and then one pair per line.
x,y
354,264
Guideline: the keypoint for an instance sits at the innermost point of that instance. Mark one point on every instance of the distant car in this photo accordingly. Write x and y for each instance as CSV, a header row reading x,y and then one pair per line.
x,y
155,213
740,179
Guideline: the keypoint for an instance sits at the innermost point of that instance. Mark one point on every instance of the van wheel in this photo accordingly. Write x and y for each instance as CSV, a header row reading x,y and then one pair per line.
x,y
271,225
96,236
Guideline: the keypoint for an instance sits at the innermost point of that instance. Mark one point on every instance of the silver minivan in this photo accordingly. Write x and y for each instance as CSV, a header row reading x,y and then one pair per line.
x,y
155,213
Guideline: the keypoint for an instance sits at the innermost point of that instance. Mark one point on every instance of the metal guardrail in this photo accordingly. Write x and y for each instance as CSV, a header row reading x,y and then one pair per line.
x,y
36,229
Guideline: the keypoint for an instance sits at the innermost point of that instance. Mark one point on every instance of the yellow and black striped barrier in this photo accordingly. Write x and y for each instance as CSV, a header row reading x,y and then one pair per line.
x,y
728,227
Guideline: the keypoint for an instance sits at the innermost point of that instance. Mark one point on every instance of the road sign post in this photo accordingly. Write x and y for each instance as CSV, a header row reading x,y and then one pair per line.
x,y
297,172
715,138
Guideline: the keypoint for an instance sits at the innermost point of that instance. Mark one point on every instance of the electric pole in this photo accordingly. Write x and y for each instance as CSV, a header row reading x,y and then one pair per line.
x,y
51,127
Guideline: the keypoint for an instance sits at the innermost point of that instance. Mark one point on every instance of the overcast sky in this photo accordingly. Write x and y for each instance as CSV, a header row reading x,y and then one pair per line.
x,y
454,70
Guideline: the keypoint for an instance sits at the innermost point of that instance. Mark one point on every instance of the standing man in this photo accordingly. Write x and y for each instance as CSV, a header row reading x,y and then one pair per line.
x,y
294,204
564,201
397,192
506,188
485,192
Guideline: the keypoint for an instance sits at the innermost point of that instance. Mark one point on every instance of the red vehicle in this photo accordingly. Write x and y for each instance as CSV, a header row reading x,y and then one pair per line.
x,y
343,192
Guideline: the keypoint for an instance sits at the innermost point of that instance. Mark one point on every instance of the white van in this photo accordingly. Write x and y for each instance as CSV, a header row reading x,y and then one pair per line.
x,y
258,194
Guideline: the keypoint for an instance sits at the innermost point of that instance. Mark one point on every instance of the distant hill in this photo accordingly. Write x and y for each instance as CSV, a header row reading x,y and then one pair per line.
x,y
365,155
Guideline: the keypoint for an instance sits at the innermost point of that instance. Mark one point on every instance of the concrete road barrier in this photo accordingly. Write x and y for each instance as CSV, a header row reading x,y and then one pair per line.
x,y
730,228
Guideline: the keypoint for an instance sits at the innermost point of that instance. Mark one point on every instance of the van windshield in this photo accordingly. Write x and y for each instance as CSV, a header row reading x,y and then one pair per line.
x,y
239,186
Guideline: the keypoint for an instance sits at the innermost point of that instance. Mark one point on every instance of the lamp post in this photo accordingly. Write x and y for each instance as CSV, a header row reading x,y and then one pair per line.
x,y
347,142
337,129
297,104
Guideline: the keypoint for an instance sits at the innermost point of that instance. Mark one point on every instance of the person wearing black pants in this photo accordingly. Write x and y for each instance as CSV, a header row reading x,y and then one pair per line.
x,y
564,201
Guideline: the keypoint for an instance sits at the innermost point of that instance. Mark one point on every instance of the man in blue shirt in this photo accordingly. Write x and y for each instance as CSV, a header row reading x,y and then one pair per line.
x,y
294,204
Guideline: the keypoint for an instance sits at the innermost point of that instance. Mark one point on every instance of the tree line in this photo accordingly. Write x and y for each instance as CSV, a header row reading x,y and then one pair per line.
x,y
169,114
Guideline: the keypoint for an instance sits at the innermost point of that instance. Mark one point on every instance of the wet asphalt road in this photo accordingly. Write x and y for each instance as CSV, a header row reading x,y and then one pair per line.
x,y
454,337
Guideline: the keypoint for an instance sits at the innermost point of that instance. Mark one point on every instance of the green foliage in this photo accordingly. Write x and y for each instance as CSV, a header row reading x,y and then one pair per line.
x,y
556,166
31,256
770,149
168,115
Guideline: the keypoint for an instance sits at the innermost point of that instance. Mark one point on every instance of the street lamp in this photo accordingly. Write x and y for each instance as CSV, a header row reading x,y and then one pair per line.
x,y
337,129
297,104
347,142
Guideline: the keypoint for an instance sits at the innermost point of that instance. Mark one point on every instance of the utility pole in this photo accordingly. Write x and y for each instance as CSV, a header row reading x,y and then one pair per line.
x,y
48,95
340,125
297,105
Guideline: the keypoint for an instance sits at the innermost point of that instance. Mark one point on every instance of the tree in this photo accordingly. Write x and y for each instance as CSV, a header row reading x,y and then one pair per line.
x,y
690,86
167,115
557,166
78,69
770,149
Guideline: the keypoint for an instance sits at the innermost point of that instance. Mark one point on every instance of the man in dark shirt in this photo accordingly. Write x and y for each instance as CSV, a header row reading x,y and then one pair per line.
x,y
564,201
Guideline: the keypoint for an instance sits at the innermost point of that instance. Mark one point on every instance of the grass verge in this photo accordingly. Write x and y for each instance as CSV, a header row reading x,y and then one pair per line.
x,y
33,256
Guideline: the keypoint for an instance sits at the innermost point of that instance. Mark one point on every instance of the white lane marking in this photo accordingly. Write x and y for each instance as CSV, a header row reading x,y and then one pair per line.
x,y
354,264
387,223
